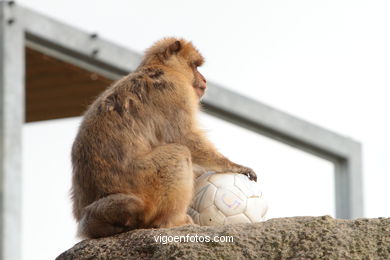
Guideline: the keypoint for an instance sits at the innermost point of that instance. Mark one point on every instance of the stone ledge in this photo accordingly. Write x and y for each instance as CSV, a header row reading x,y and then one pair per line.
x,y
282,238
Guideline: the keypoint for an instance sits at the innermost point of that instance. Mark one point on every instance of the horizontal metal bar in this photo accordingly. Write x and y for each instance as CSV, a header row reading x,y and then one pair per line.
x,y
277,124
75,58
74,42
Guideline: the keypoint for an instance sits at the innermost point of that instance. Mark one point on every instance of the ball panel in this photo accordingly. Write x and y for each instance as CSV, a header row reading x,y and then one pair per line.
x,y
211,216
230,201
240,218
225,199
194,215
256,209
222,180
248,187
202,181
196,219
204,197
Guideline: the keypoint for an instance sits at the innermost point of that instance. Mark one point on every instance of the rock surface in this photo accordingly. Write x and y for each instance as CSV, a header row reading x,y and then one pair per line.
x,y
283,238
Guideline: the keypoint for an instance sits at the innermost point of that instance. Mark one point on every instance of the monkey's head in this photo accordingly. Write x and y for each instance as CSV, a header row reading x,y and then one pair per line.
x,y
181,56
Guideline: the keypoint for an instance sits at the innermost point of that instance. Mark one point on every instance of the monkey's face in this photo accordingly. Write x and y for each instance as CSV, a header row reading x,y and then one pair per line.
x,y
186,58
179,55
199,83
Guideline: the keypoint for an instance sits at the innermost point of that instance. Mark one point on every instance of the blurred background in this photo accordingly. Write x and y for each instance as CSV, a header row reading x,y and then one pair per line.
x,y
327,62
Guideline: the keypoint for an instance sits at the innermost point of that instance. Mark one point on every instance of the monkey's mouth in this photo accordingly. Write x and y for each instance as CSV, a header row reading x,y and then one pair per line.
x,y
200,91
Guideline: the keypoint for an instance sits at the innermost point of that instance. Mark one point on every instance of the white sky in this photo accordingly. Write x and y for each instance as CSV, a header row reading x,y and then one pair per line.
x,y
324,61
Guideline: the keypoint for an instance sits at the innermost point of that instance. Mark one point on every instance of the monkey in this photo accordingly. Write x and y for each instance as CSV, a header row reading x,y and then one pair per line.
x,y
139,146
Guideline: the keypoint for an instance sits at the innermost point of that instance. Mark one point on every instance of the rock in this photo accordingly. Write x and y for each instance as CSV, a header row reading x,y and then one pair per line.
x,y
282,238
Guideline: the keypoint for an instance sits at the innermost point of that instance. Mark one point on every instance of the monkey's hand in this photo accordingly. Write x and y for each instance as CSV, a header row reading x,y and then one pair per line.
x,y
248,172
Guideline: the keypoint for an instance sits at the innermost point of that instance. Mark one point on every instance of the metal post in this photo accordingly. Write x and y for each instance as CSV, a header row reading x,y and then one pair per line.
x,y
11,122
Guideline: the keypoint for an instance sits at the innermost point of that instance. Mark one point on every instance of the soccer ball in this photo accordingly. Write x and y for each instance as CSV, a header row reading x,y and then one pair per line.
x,y
227,198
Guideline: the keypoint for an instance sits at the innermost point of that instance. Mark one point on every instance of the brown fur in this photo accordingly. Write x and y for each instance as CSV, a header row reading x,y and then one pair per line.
x,y
139,143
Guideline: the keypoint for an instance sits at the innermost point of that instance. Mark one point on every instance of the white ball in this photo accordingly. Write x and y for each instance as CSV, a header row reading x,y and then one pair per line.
x,y
226,199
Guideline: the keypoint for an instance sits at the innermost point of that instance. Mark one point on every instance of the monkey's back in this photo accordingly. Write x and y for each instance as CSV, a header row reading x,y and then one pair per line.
x,y
124,122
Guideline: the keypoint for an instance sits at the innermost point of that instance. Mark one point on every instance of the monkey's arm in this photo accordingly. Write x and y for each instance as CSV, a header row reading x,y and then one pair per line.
x,y
204,154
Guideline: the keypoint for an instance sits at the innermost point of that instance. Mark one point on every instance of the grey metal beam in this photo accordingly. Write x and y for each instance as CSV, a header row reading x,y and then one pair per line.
x,y
83,47
11,122
277,124
348,184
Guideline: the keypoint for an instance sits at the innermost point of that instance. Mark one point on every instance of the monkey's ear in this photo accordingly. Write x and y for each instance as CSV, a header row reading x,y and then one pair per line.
x,y
174,47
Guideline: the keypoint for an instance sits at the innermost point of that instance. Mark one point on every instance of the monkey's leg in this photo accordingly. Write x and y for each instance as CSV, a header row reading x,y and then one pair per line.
x,y
111,215
168,179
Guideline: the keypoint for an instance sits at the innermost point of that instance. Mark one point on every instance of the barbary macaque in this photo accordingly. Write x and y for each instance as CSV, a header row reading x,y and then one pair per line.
x,y
139,144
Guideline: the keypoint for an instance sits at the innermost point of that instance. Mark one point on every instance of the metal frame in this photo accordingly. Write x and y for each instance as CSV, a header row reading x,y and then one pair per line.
x,y
21,27
11,122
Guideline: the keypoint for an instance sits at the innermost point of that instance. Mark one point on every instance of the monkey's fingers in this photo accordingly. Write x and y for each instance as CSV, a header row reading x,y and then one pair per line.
x,y
250,173
252,176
